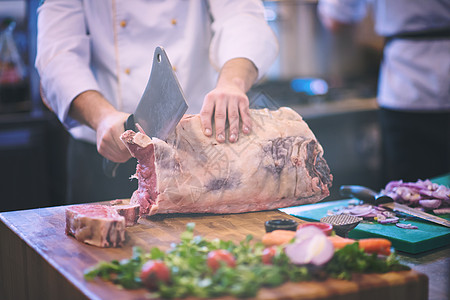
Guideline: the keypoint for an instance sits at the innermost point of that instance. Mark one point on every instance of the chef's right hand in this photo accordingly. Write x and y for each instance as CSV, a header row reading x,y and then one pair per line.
x,y
109,144
92,109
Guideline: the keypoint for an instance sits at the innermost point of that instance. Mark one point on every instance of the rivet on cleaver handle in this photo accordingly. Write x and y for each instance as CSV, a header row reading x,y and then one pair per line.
x,y
161,106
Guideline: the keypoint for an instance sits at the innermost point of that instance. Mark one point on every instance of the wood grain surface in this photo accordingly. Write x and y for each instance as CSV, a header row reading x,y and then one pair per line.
x,y
38,261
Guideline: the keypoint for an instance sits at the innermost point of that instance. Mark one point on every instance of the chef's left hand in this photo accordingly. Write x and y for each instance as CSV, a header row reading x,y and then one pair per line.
x,y
228,101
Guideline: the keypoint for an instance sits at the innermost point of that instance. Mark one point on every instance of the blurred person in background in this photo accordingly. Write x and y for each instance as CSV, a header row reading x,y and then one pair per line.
x,y
94,59
414,81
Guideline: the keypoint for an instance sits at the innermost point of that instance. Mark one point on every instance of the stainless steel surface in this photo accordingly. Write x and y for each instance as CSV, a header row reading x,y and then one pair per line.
x,y
163,103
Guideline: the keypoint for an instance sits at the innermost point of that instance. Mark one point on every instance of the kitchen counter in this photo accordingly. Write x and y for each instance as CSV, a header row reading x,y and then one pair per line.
x,y
38,261
328,108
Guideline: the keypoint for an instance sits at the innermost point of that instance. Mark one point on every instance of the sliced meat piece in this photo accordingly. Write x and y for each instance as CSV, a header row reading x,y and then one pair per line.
x,y
279,164
97,225
129,211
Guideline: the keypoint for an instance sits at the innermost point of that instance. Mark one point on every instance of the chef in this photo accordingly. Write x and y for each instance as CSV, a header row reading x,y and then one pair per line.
x,y
414,82
94,59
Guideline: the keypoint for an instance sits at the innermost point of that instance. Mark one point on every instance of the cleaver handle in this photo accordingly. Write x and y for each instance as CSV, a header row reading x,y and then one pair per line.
x,y
360,192
110,167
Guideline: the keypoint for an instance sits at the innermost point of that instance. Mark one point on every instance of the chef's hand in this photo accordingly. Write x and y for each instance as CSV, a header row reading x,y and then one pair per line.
x,y
92,109
229,100
108,131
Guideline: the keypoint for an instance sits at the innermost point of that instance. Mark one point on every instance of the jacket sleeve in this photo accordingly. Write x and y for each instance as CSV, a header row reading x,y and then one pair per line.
x,y
241,31
63,55
345,11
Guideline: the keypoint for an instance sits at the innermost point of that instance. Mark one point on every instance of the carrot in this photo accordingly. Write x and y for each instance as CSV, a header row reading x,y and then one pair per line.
x,y
340,242
376,245
278,237
371,245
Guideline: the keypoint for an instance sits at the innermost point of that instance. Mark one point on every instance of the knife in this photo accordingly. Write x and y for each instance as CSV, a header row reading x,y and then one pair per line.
x,y
161,107
367,195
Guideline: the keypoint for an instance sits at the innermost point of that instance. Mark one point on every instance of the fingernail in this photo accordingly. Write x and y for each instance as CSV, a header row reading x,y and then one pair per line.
x,y
220,137
246,129
208,131
233,137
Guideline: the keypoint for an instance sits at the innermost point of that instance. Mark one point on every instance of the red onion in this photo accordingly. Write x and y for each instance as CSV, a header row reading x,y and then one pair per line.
x,y
430,203
388,221
388,214
361,210
442,211
311,246
414,193
442,193
406,226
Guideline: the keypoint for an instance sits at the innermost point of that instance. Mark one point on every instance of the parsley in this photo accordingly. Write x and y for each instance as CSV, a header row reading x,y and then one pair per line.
x,y
191,276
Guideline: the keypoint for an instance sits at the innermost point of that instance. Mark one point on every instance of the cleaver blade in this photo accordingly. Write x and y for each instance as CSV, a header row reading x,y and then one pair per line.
x,y
163,103
161,107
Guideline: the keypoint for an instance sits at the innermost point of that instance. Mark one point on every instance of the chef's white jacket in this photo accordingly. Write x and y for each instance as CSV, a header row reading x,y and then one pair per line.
x,y
108,45
415,73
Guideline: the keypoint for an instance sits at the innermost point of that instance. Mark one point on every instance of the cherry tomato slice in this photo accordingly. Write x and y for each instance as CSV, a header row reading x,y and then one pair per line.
x,y
268,255
153,272
325,227
218,257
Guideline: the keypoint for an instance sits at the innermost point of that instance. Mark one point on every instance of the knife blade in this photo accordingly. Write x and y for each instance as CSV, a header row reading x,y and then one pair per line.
x,y
367,195
160,108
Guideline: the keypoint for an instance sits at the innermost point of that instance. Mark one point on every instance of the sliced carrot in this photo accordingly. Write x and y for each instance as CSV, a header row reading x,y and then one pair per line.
x,y
376,245
278,237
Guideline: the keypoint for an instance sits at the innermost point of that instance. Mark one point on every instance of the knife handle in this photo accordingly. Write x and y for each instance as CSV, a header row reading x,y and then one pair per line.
x,y
356,191
110,167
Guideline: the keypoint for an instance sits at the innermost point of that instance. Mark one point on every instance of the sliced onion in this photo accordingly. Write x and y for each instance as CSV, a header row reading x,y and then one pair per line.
x,y
388,221
311,246
381,217
442,193
406,226
442,211
393,184
379,208
372,214
388,214
411,193
361,210
430,203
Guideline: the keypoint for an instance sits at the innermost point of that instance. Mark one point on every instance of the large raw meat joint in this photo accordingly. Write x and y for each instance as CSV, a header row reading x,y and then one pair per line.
x,y
279,164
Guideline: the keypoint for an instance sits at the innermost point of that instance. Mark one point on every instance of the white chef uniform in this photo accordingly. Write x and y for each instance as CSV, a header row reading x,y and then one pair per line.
x,y
108,45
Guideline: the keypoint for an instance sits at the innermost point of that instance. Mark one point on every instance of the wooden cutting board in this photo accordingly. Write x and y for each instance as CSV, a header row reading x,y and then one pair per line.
x,y
38,261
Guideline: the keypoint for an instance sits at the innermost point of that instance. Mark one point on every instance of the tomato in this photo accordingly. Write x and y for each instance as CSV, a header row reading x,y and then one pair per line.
x,y
218,257
325,227
268,254
153,272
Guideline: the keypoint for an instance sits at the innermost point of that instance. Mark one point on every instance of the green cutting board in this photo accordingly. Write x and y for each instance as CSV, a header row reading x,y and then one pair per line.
x,y
428,236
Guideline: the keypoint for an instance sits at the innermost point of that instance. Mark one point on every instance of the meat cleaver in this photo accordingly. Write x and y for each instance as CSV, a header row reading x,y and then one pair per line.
x,y
161,106
369,196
